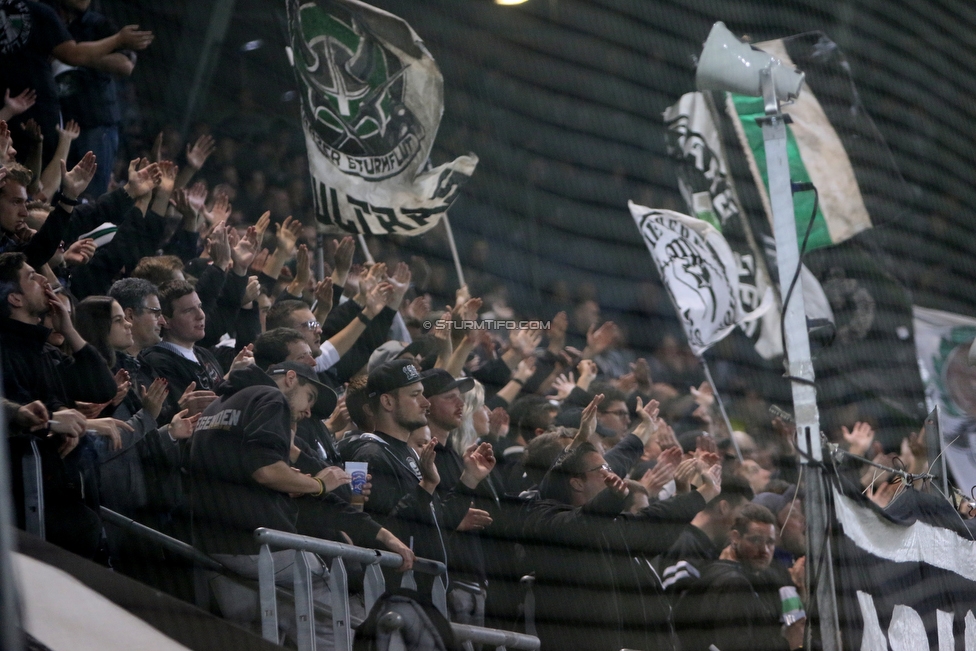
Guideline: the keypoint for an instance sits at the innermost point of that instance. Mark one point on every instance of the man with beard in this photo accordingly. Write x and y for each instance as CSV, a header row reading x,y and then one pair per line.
x,y
243,480
403,496
736,604
703,540
315,445
33,369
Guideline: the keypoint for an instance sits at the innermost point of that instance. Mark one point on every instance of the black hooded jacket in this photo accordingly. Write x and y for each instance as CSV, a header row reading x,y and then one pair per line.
x,y
247,428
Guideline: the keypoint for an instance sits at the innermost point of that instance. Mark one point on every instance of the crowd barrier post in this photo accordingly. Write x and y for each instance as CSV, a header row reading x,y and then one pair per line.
x,y
374,587
33,492
266,595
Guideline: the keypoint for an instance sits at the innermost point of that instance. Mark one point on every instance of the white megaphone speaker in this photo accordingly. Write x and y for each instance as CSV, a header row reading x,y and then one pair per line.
x,y
728,64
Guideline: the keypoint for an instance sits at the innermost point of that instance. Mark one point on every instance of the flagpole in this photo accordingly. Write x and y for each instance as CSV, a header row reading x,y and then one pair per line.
x,y
320,256
362,243
454,251
820,569
721,407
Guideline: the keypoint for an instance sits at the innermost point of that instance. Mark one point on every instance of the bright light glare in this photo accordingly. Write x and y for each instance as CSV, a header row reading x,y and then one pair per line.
x,y
509,2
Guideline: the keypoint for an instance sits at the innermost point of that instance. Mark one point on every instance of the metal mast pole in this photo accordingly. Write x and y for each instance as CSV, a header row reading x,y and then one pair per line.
x,y
820,570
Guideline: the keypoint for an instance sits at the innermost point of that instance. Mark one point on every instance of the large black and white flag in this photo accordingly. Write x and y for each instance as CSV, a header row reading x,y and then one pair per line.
x,y
699,271
372,97
905,576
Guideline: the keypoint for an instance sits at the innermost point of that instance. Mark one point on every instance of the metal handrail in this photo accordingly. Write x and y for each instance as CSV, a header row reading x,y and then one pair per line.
x,y
171,544
495,637
274,538
374,586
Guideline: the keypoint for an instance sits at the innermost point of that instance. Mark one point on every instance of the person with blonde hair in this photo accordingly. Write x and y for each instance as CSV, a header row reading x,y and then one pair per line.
x,y
474,419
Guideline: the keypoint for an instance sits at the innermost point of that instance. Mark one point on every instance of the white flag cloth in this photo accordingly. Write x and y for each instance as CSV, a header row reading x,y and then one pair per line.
x,y
943,341
700,273
372,99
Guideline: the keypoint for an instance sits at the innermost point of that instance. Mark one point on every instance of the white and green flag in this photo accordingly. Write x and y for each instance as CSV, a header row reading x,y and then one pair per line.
x,y
816,154
372,97
943,340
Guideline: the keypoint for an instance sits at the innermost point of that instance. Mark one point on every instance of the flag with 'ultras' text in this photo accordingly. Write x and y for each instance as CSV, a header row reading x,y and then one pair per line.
x,y
699,272
372,97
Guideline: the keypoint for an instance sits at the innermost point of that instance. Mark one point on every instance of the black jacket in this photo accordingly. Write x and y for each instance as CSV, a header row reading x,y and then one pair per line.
x,y
465,550
595,589
684,563
35,370
180,372
734,609
45,242
400,504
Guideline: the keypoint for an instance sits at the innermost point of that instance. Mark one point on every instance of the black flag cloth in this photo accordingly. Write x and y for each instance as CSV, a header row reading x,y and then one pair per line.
x,y
905,576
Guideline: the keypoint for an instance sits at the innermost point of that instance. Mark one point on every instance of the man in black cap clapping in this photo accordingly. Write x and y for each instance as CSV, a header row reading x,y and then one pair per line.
x,y
403,495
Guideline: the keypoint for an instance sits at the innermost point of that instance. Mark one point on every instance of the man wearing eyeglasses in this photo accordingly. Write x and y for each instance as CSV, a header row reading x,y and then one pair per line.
x,y
612,414
140,302
594,588
737,603
297,314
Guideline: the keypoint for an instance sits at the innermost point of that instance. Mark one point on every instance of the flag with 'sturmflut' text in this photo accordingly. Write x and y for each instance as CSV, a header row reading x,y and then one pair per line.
x,y
372,97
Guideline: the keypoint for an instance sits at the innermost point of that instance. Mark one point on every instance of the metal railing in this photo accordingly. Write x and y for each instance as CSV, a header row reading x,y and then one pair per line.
x,y
178,547
374,586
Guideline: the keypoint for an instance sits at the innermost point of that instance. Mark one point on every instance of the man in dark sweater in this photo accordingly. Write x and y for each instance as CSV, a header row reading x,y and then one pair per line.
x,y
469,582
243,479
737,603
594,589
316,446
35,370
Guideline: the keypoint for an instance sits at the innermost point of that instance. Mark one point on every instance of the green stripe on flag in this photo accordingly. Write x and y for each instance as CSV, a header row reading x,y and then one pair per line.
x,y
750,108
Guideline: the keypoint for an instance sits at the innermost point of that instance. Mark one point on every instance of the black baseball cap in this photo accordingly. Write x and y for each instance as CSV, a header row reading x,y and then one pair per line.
x,y
437,381
326,401
391,376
